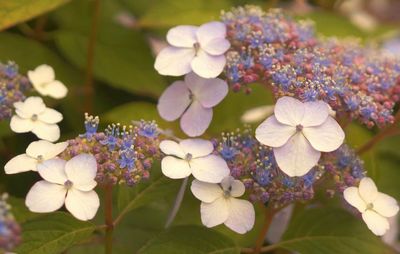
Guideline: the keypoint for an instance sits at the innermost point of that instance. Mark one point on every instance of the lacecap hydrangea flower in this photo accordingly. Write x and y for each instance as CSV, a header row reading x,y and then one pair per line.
x,y
70,182
36,153
220,204
192,100
375,207
198,49
192,157
10,230
32,115
44,82
298,133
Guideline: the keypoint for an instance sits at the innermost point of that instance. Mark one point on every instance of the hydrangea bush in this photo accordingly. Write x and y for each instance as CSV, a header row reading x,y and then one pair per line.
x,y
117,185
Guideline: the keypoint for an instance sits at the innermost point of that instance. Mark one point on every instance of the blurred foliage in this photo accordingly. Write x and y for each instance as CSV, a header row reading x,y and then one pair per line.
x,y
127,88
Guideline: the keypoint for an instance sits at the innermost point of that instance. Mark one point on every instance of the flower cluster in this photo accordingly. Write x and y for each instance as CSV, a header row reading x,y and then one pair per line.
x,y
124,154
10,231
286,54
13,87
255,165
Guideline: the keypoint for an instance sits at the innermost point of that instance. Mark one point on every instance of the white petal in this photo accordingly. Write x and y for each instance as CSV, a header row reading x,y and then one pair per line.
x,y
210,31
81,171
385,205
50,116
375,222
235,187
20,163
209,92
196,119
53,171
41,75
217,46
45,149
83,205
174,101
368,190
50,132
315,113
241,216
210,169
182,36
215,213
352,196
297,156
170,147
197,147
257,114
208,66
206,192
174,61
326,137
45,197
20,125
55,89
32,105
289,111
175,168
273,133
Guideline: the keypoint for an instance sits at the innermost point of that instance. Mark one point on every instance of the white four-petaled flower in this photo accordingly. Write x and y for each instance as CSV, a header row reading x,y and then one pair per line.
x,y
69,182
36,153
298,133
32,115
193,99
199,49
192,156
375,207
44,82
220,204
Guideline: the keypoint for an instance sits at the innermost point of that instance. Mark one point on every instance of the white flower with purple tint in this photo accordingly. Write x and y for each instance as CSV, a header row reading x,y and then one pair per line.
x,y
36,153
192,100
70,182
375,207
220,204
198,49
44,82
298,133
192,156
33,116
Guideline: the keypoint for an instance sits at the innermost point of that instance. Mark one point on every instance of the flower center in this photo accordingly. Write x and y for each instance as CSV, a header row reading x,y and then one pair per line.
x,y
40,158
299,127
34,117
370,206
227,192
196,47
188,157
68,184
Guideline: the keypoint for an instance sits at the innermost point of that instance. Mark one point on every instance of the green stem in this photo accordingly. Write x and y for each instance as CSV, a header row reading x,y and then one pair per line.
x,y
108,219
269,215
177,203
88,86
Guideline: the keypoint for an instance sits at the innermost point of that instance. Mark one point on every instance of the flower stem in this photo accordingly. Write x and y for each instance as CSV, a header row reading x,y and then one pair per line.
x,y
177,203
269,215
387,132
88,86
108,219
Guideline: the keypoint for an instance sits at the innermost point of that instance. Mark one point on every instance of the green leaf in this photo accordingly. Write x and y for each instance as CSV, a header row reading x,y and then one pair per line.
x,y
170,13
190,240
146,192
330,231
53,233
125,113
17,11
122,59
20,211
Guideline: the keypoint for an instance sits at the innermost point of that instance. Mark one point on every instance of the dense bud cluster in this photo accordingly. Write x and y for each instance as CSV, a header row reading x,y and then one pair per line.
x,y
13,86
356,81
10,231
124,154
